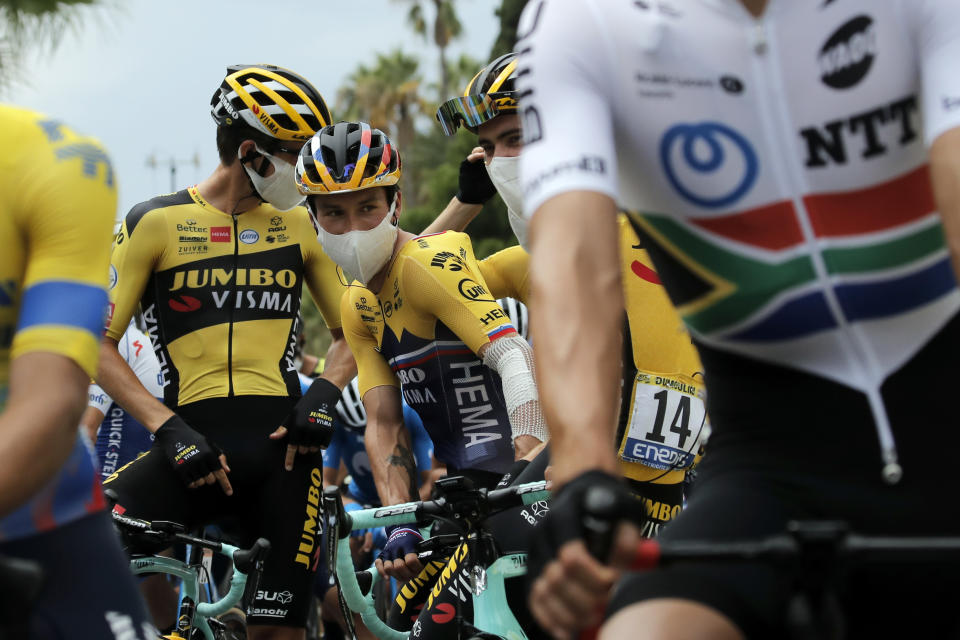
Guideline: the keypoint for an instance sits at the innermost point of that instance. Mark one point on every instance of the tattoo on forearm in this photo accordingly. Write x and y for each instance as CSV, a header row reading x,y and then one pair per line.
x,y
403,457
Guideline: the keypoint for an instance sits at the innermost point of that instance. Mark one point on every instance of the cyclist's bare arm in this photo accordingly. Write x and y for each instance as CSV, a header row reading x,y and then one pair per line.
x,y
90,422
340,367
455,217
575,312
38,429
331,477
945,177
121,383
388,446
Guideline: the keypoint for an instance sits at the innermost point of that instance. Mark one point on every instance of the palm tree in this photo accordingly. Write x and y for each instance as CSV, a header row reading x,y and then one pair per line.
x,y
386,95
446,27
509,14
28,23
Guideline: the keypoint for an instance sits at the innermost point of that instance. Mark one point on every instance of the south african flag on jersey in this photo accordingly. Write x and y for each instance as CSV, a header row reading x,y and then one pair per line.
x,y
812,281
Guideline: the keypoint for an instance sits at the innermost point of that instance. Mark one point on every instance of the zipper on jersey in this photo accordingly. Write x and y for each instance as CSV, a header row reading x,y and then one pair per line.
x,y
236,265
777,126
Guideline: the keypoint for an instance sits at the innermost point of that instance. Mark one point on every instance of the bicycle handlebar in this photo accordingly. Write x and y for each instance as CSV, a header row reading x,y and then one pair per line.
x,y
462,502
421,512
161,531
802,538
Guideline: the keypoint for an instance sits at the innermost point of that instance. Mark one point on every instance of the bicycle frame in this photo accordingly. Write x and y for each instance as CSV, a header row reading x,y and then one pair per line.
x,y
490,611
190,586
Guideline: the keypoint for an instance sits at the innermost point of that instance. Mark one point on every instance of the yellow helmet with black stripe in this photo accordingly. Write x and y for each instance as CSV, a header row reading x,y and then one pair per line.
x,y
269,99
347,156
487,95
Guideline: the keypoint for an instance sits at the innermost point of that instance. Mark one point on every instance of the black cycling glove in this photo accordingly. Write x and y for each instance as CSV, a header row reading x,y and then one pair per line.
x,y
191,453
310,424
475,184
589,508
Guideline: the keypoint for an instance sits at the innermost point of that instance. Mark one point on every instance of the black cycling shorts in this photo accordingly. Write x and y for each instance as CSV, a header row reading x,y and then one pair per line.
x,y
787,445
268,501
88,592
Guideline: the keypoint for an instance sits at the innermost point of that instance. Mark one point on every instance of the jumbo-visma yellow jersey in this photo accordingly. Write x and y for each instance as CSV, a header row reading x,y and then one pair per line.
x,y
220,293
57,205
662,416
422,333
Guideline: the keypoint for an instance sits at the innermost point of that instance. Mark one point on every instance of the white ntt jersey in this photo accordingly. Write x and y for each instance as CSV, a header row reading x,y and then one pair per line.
x,y
778,166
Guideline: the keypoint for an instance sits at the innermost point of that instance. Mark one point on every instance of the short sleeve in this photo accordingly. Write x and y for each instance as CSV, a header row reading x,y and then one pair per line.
x,y
136,251
507,273
98,399
372,369
565,102
936,25
65,210
446,283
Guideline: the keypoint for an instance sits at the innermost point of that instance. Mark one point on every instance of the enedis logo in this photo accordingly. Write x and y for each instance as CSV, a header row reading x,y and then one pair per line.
x,y
311,532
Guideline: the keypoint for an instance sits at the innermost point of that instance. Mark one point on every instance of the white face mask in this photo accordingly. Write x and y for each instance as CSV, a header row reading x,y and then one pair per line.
x,y
361,254
280,187
505,175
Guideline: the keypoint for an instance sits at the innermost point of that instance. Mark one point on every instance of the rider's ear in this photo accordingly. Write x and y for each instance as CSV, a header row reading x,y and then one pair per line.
x,y
247,151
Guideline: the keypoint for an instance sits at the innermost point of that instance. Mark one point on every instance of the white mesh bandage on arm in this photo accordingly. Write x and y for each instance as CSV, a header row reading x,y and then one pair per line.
x,y
512,358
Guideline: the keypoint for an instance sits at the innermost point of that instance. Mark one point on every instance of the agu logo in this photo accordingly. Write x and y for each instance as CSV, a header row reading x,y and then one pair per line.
x,y
708,164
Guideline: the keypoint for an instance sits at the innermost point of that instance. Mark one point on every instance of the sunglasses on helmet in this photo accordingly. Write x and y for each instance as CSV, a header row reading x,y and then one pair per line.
x,y
473,110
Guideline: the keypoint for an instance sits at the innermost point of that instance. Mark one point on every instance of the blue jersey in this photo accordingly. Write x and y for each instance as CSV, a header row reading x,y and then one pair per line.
x,y
347,445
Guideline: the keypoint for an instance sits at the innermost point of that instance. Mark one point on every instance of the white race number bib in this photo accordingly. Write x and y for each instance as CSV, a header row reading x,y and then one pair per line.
x,y
667,420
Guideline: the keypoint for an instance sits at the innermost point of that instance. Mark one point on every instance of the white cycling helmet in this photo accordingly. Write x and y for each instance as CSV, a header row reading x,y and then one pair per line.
x,y
518,314
350,408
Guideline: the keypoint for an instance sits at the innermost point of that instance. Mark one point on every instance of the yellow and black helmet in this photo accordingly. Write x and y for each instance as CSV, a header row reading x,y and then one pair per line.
x,y
488,94
271,100
347,156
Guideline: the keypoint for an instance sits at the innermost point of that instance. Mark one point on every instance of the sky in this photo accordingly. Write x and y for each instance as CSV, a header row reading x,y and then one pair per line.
x,y
138,74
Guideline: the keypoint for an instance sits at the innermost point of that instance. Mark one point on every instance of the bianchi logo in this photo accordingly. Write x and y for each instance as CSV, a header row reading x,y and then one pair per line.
x,y
846,57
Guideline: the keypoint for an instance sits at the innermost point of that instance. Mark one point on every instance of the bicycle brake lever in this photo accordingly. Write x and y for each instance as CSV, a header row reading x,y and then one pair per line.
x,y
599,520
165,526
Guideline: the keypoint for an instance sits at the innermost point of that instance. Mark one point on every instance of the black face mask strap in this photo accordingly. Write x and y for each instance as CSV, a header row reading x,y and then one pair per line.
x,y
251,156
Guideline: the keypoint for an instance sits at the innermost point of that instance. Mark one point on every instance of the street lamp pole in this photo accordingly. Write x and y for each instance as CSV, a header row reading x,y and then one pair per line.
x,y
154,164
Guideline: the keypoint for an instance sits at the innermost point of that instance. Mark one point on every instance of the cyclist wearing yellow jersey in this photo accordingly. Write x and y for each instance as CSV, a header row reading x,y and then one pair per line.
x,y
218,270
56,209
419,320
662,413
